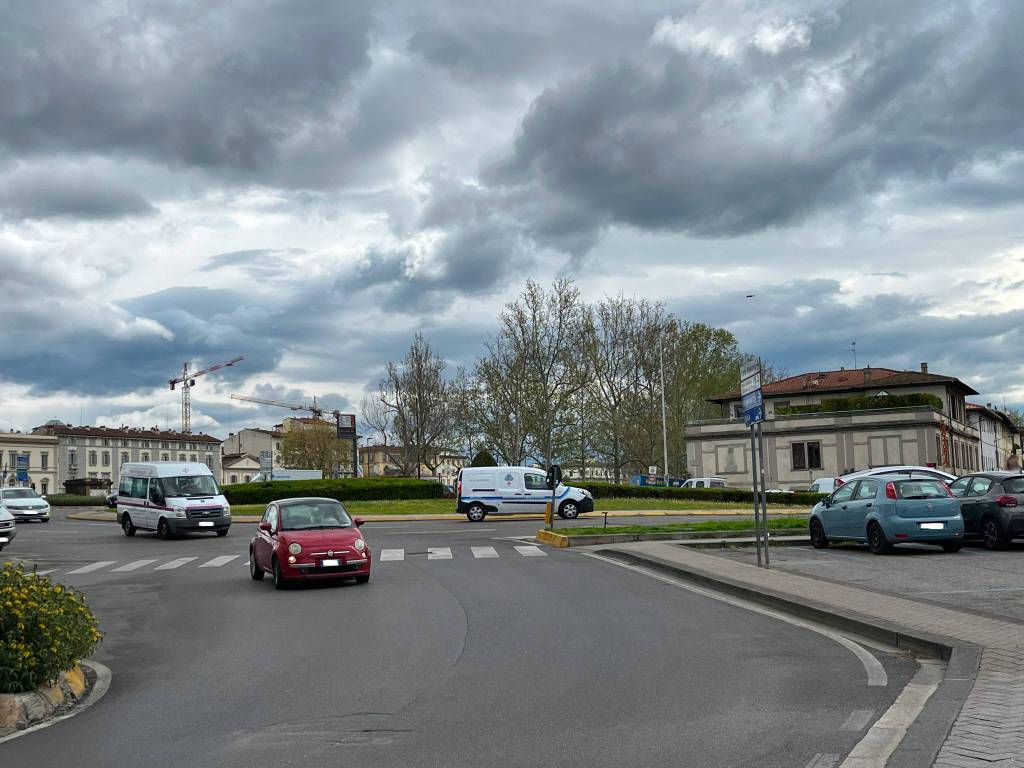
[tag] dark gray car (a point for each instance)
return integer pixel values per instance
(992, 504)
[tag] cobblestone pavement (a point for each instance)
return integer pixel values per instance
(989, 730)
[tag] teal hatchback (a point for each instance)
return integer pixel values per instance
(884, 511)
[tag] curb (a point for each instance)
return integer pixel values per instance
(926, 734)
(701, 539)
(101, 677)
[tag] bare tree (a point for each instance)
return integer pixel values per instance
(376, 417)
(416, 395)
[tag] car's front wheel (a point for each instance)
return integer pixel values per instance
(128, 526)
(163, 529)
(254, 569)
(569, 510)
(818, 537)
(476, 513)
(877, 542)
(279, 582)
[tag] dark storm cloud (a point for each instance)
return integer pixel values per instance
(68, 196)
(718, 147)
(808, 325)
(231, 87)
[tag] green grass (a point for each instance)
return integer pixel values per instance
(447, 506)
(745, 524)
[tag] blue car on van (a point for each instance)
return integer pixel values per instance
(887, 510)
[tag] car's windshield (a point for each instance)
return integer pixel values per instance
(921, 489)
(20, 493)
(189, 486)
(308, 515)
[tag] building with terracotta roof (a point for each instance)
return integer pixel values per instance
(871, 424)
(998, 437)
(99, 452)
(376, 460)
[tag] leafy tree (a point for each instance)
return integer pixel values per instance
(315, 447)
(483, 459)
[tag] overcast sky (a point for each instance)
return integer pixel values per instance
(309, 183)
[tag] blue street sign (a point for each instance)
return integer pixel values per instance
(752, 400)
(22, 469)
(754, 415)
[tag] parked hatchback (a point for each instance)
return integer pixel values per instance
(308, 539)
(992, 504)
(888, 510)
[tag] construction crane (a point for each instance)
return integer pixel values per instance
(187, 381)
(345, 423)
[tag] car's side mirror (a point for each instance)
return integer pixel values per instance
(359, 522)
(265, 526)
(826, 503)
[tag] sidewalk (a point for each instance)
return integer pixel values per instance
(989, 728)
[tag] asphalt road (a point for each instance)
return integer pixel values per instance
(973, 580)
(494, 657)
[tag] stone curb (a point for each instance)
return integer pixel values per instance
(74, 691)
(697, 538)
(925, 737)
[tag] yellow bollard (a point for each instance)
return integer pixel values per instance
(548, 521)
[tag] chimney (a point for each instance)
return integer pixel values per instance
(867, 375)
(924, 367)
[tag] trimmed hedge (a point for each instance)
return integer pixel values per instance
(738, 495)
(45, 629)
(344, 489)
(71, 500)
(863, 403)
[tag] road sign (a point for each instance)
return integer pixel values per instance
(266, 461)
(554, 476)
(754, 415)
(750, 384)
(22, 468)
(752, 400)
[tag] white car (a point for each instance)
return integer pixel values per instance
(25, 504)
(908, 470)
(704, 482)
(7, 532)
(482, 491)
(824, 485)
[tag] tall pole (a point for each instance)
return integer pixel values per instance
(753, 474)
(664, 423)
(186, 402)
(763, 494)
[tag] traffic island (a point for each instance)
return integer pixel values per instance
(714, 533)
(72, 692)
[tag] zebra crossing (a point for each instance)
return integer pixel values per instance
(392, 555)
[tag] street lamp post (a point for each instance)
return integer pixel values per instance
(664, 423)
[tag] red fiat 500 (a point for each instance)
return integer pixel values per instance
(302, 539)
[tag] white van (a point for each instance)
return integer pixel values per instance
(171, 497)
(704, 482)
(482, 491)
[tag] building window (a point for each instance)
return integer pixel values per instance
(92, 460)
(167, 457)
(209, 460)
(72, 459)
(145, 456)
(44, 460)
(44, 484)
(181, 457)
(124, 457)
(234, 478)
(806, 455)
(72, 440)
(193, 457)
(106, 441)
(737, 410)
(106, 458)
(248, 478)
(164, 444)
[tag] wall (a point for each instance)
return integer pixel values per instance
(40, 449)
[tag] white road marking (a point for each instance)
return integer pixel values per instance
(857, 721)
(873, 667)
(823, 761)
(175, 564)
(482, 553)
(217, 562)
(134, 565)
(878, 744)
(970, 591)
(391, 555)
(43, 573)
(439, 553)
(531, 551)
(92, 567)
(460, 530)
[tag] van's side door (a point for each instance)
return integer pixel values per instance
(156, 502)
(511, 491)
(140, 510)
(535, 492)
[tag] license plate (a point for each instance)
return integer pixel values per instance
(329, 563)
(206, 524)
(933, 526)
(4, 540)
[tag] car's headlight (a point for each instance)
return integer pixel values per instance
(227, 511)
(180, 512)
(360, 545)
(295, 548)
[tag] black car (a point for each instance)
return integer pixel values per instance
(992, 505)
